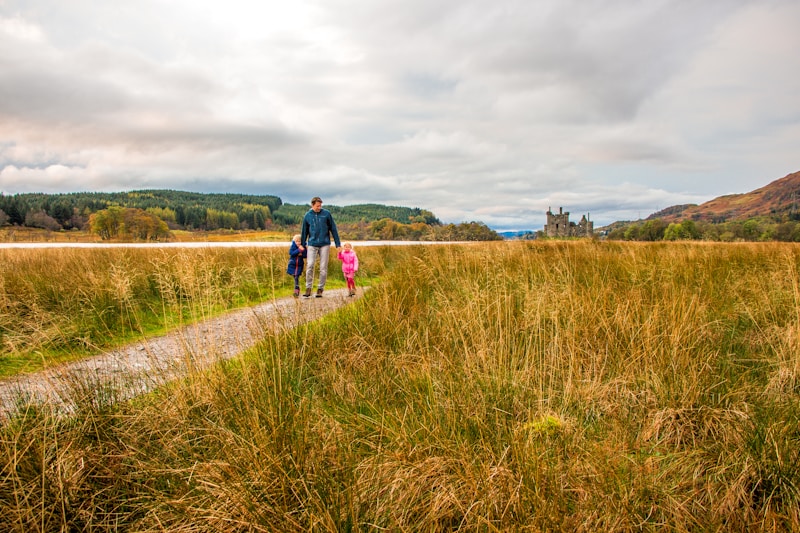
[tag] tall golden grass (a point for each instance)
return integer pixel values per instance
(576, 386)
(61, 304)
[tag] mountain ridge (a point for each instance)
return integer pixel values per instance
(778, 198)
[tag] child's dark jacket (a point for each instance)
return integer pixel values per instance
(296, 260)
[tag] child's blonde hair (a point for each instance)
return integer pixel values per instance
(346, 244)
(296, 238)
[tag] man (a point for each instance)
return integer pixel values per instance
(318, 228)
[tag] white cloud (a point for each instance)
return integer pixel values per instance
(17, 28)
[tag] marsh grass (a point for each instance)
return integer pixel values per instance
(575, 386)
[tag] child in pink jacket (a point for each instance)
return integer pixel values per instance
(349, 261)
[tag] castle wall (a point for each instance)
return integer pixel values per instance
(558, 225)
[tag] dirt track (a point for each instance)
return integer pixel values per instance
(142, 366)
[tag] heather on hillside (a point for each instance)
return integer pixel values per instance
(770, 213)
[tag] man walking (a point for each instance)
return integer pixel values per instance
(318, 228)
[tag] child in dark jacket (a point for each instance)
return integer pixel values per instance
(297, 254)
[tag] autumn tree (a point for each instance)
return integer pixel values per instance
(141, 225)
(216, 219)
(133, 223)
(40, 219)
(166, 214)
(686, 230)
(107, 223)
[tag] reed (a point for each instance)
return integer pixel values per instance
(574, 386)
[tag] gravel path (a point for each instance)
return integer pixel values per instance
(140, 367)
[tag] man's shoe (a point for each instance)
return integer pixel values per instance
(319, 293)
(307, 294)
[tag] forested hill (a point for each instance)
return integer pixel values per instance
(351, 214)
(187, 210)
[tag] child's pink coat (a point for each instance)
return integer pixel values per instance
(349, 261)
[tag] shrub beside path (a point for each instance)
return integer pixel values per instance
(139, 367)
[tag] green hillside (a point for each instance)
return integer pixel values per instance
(153, 214)
(187, 210)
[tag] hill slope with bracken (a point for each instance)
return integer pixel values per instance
(779, 198)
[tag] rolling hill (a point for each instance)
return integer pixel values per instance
(777, 199)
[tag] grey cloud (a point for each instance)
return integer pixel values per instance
(609, 55)
(95, 97)
(475, 109)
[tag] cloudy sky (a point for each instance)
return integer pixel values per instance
(489, 110)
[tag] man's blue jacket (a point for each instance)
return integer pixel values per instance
(318, 229)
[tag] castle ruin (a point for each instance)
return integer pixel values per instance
(558, 225)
